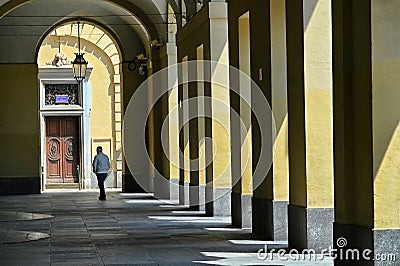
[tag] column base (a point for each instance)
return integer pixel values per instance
(218, 201)
(119, 178)
(202, 198)
(384, 245)
(270, 219)
(194, 197)
(197, 196)
(161, 188)
(129, 185)
(174, 189)
(280, 212)
(310, 228)
(387, 245)
(19, 185)
(241, 210)
(184, 193)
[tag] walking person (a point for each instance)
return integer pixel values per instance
(101, 165)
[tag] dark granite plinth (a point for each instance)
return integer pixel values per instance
(241, 210)
(19, 185)
(270, 219)
(358, 245)
(129, 185)
(218, 201)
(310, 228)
(161, 187)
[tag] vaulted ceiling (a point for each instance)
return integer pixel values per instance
(133, 24)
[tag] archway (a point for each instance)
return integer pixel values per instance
(97, 109)
(131, 26)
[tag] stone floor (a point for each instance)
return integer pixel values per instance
(74, 228)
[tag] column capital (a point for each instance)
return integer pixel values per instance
(217, 10)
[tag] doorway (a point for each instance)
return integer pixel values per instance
(62, 149)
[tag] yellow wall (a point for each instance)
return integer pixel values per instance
(102, 119)
(310, 103)
(19, 120)
(386, 113)
(279, 99)
(245, 104)
(318, 97)
(194, 35)
(260, 63)
(319, 147)
(208, 28)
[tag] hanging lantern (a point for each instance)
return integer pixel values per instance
(79, 65)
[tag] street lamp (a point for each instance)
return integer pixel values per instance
(79, 65)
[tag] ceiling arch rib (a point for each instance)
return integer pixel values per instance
(89, 33)
(93, 34)
(128, 21)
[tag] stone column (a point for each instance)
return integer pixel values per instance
(385, 128)
(193, 128)
(130, 81)
(218, 198)
(184, 176)
(201, 127)
(279, 108)
(160, 116)
(310, 213)
(367, 142)
(242, 188)
(173, 105)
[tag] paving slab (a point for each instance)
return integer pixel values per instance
(73, 228)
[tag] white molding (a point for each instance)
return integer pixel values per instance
(64, 75)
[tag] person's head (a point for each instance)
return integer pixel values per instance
(99, 149)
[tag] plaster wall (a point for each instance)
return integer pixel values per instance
(386, 113)
(318, 103)
(19, 121)
(102, 115)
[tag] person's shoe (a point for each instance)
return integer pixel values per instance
(102, 198)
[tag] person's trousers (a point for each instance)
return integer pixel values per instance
(100, 180)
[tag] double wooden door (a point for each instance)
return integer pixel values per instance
(62, 139)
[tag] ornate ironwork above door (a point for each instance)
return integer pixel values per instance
(61, 94)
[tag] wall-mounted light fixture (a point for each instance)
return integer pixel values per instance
(142, 69)
(141, 62)
(79, 65)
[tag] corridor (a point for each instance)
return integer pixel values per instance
(74, 228)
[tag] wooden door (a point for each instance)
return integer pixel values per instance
(62, 138)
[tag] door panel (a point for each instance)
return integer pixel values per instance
(70, 159)
(62, 149)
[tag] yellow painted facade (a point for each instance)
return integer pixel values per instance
(105, 107)
(281, 166)
(386, 114)
(279, 100)
(328, 68)
(318, 103)
(20, 136)
(319, 150)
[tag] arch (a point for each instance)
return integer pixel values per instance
(104, 28)
(9, 6)
(143, 18)
(174, 6)
(104, 55)
(136, 11)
